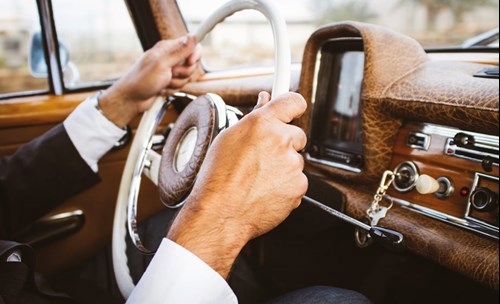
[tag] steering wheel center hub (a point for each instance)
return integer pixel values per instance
(185, 149)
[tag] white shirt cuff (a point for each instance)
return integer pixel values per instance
(92, 134)
(176, 275)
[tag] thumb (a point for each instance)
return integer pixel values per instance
(264, 98)
(175, 52)
(287, 107)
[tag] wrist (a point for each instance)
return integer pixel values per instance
(209, 236)
(116, 108)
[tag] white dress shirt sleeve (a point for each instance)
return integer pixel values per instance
(91, 132)
(176, 275)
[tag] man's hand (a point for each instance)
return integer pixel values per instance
(166, 67)
(249, 183)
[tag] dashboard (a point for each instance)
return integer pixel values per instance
(378, 103)
(448, 174)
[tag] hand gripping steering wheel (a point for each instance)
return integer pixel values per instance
(175, 170)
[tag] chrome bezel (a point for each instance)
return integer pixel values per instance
(468, 209)
(416, 175)
(449, 186)
(427, 141)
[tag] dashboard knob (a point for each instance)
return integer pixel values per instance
(484, 200)
(427, 184)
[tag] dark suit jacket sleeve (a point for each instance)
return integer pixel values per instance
(39, 176)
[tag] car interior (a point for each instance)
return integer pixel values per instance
(402, 162)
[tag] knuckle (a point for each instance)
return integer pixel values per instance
(303, 185)
(301, 161)
(300, 136)
(299, 101)
(149, 56)
(162, 45)
(257, 119)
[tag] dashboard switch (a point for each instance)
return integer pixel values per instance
(441, 187)
(418, 141)
(427, 184)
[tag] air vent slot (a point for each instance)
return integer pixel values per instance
(473, 148)
(418, 141)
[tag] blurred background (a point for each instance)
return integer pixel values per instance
(102, 42)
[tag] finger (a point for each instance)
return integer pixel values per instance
(178, 83)
(298, 138)
(304, 185)
(287, 107)
(264, 98)
(196, 56)
(175, 52)
(183, 71)
(168, 92)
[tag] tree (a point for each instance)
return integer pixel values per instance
(340, 10)
(459, 8)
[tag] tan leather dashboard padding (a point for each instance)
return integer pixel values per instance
(383, 65)
(173, 185)
(446, 93)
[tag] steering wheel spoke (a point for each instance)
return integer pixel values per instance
(152, 166)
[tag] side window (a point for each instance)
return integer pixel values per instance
(100, 39)
(19, 22)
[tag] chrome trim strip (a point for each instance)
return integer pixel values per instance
(61, 216)
(489, 140)
(473, 226)
(331, 164)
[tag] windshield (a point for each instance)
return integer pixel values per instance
(434, 23)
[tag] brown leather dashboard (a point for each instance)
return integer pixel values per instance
(402, 85)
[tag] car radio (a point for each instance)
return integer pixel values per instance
(335, 137)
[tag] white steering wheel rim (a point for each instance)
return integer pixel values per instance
(142, 138)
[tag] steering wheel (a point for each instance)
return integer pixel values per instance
(174, 172)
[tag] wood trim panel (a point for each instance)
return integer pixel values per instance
(28, 111)
(436, 164)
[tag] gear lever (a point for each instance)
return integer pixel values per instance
(389, 238)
